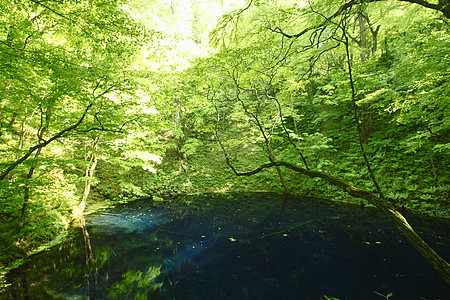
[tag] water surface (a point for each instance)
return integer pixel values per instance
(235, 247)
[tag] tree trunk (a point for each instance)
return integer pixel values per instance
(374, 39)
(445, 4)
(89, 175)
(280, 174)
(87, 182)
(362, 35)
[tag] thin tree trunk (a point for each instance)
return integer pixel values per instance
(362, 36)
(89, 175)
(280, 174)
(87, 182)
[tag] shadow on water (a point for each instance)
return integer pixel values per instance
(235, 247)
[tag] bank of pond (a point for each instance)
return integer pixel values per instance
(235, 246)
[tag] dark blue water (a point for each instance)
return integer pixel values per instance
(235, 247)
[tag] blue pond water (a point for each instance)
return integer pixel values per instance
(235, 247)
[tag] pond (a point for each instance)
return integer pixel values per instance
(235, 247)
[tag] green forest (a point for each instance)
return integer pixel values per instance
(107, 101)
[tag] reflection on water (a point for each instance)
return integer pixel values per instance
(234, 247)
(127, 222)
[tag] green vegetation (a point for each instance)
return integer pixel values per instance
(106, 101)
